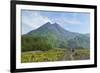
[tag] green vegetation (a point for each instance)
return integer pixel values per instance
(53, 43)
(54, 55)
(37, 43)
(81, 54)
(51, 55)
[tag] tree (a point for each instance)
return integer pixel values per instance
(30, 43)
(72, 44)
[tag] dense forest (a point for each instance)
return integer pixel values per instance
(37, 43)
(30, 43)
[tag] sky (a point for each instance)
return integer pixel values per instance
(73, 21)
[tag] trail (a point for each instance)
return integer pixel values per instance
(70, 56)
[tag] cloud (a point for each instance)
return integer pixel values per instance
(71, 21)
(66, 21)
(33, 19)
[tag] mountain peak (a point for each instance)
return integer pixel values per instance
(48, 23)
(52, 24)
(56, 24)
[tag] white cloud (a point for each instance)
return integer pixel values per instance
(66, 21)
(72, 21)
(34, 19)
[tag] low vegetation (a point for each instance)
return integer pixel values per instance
(40, 56)
(54, 55)
(81, 54)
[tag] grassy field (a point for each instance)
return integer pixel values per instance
(54, 55)
(82, 54)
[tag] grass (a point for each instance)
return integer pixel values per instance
(51, 55)
(54, 55)
(82, 54)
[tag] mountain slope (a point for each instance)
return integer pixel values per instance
(55, 29)
(60, 35)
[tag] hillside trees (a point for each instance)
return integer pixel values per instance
(37, 43)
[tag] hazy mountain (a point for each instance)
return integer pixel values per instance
(60, 35)
(55, 29)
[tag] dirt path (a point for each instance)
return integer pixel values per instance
(70, 56)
